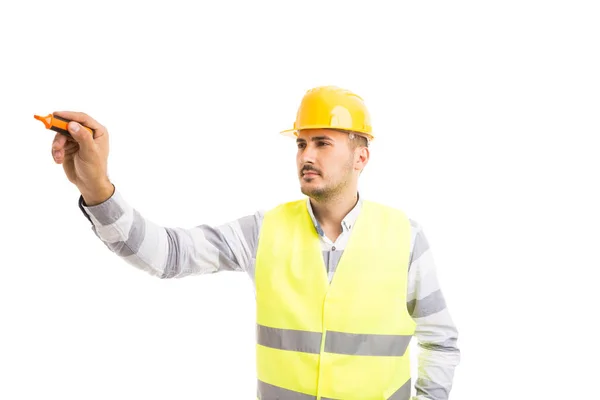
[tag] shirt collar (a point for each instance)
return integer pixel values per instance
(347, 222)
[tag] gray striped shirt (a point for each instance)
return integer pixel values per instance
(178, 252)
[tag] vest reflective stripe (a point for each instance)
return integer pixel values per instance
(287, 339)
(403, 393)
(270, 392)
(366, 344)
(348, 339)
(336, 342)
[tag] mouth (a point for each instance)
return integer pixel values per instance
(309, 174)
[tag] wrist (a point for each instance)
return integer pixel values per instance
(97, 195)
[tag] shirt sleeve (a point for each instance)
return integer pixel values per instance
(435, 331)
(171, 252)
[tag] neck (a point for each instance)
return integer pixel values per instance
(330, 212)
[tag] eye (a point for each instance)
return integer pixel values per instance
(323, 144)
(301, 145)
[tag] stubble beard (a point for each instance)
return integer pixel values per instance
(329, 190)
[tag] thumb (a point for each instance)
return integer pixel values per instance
(82, 136)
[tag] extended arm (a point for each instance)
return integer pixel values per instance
(166, 252)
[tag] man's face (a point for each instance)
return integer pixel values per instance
(325, 162)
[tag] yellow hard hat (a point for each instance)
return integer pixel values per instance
(334, 108)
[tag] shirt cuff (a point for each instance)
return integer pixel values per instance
(105, 213)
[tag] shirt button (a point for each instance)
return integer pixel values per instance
(333, 248)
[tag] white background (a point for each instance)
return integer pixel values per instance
(487, 117)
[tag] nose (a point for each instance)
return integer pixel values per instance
(307, 154)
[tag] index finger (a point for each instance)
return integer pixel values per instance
(80, 117)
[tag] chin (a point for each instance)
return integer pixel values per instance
(311, 191)
(306, 189)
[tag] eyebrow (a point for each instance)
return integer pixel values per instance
(315, 138)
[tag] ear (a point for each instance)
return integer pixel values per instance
(361, 157)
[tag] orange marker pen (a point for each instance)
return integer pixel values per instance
(58, 124)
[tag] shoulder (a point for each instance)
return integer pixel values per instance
(297, 203)
(248, 226)
(415, 227)
(288, 209)
(386, 208)
(247, 229)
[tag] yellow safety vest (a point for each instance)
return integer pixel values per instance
(345, 340)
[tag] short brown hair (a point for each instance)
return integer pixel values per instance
(355, 139)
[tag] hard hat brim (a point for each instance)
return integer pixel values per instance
(290, 133)
(293, 133)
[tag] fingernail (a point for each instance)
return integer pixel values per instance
(74, 127)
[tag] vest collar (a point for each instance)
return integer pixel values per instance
(347, 222)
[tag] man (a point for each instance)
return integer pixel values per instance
(342, 283)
